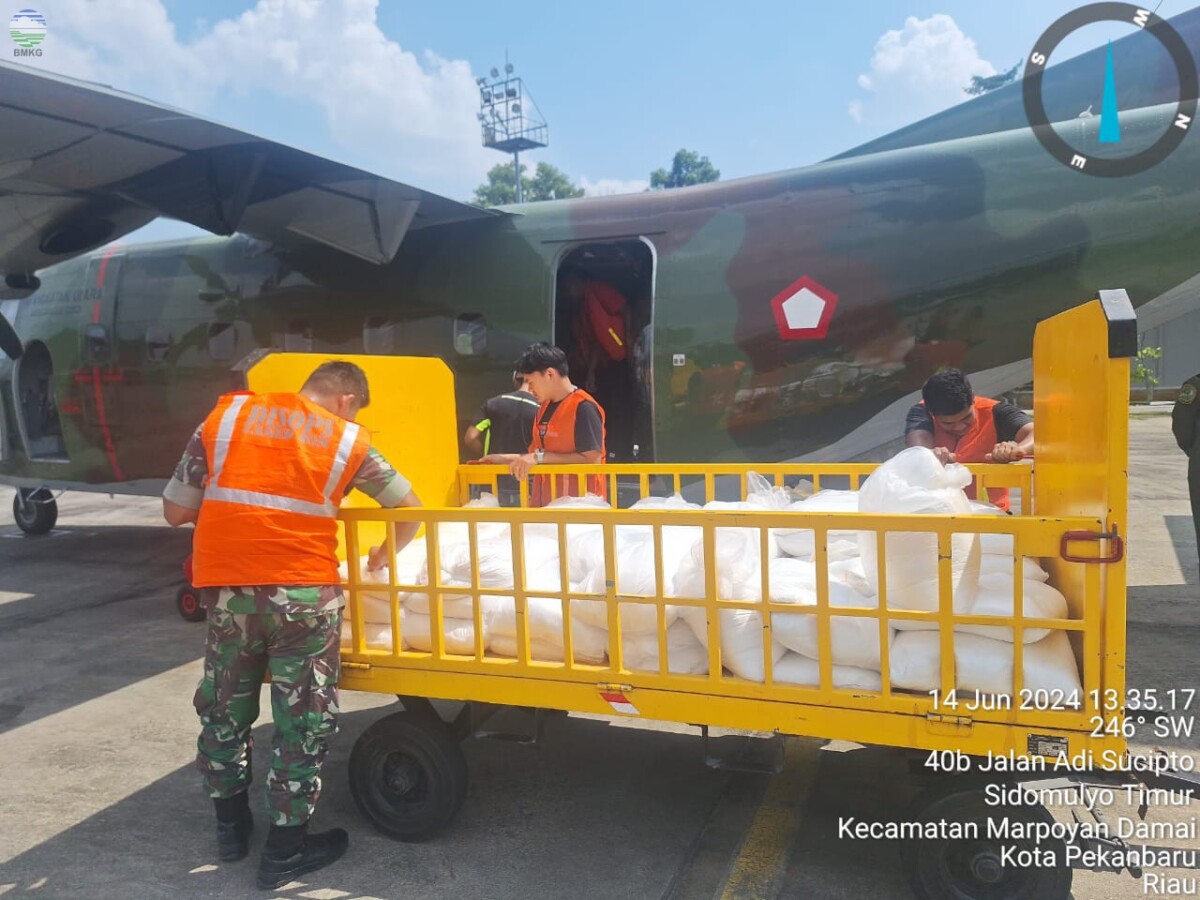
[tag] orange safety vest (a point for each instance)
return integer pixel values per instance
(278, 467)
(558, 436)
(973, 446)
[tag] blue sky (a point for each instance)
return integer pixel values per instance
(389, 85)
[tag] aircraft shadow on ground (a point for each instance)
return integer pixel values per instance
(122, 620)
(548, 820)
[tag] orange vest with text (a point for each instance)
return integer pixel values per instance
(973, 446)
(278, 467)
(558, 436)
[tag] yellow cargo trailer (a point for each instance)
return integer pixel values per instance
(408, 773)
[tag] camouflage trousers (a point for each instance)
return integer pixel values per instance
(301, 653)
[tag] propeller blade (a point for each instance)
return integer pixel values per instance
(10, 342)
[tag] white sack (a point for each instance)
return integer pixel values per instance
(801, 542)
(685, 654)
(983, 664)
(635, 577)
(995, 598)
(854, 641)
(995, 564)
(545, 627)
(914, 482)
(417, 632)
(738, 578)
(796, 669)
(741, 640)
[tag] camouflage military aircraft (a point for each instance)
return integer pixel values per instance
(783, 316)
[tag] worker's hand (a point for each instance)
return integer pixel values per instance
(519, 467)
(1005, 452)
(944, 456)
(377, 558)
(498, 459)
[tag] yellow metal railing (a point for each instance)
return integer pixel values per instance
(626, 481)
(1033, 537)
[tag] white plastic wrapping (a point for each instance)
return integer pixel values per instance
(793, 668)
(983, 664)
(854, 640)
(914, 482)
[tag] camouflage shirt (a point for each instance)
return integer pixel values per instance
(375, 477)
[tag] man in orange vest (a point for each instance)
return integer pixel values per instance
(960, 427)
(568, 429)
(262, 478)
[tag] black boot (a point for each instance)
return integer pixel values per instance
(234, 824)
(291, 851)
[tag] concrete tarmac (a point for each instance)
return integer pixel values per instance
(97, 736)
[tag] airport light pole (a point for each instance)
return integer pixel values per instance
(509, 119)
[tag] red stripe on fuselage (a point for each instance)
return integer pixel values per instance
(101, 413)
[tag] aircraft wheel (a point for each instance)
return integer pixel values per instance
(187, 601)
(941, 868)
(35, 510)
(408, 776)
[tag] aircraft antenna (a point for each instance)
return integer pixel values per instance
(508, 117)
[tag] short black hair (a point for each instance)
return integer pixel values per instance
(947, 393)
(518, 379)
(542, 356)
(339, 377)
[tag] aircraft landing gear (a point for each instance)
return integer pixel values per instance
(35, 510)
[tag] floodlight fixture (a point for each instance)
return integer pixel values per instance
(495, 72)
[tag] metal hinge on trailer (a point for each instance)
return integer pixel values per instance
(1116, 546)
(940, 719)
(358, 666)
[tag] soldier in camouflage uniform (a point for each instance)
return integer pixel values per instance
(1185, 423)
(293, 632)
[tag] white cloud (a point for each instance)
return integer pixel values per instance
(917, 71)
(607, 186)
(384, 108)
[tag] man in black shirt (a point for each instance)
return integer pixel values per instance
(568, 430)
(504, 425)
(960, 427)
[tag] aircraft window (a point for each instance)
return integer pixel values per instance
(299, 338)
(158, 342)
(95, 344)
(470, 335)
(222, 340)
(379, 336)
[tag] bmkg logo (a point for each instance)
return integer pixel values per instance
(27, 29)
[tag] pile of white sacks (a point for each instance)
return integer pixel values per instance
(913, 482)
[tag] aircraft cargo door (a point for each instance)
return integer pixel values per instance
(604, 320)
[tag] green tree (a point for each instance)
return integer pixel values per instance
(1144, 372)
(548, 183)
(980, 85)
(688, 168)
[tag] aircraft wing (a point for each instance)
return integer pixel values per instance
(82, 164)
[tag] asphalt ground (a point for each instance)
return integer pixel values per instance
(97, 736)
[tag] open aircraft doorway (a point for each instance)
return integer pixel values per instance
(603, 319)
(37, 409)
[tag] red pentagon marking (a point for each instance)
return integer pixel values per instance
(803, 310)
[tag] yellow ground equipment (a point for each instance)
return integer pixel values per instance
(408, 773)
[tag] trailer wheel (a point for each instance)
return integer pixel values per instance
(187, 601)
(35, 510)
(941, 868)
(408, 776)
